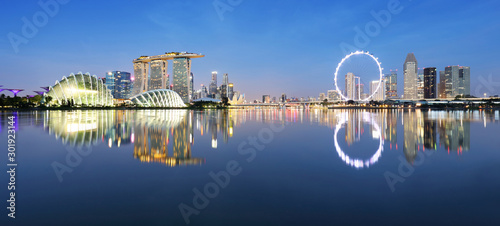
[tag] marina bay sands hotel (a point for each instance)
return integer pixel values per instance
(150, 73)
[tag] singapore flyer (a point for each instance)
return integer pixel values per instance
(359, 67)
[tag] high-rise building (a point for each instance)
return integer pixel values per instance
(283, 98)
(266, 99)
(191, 88)
(150, 72)
(464, 81)
(204, 92)
(110, 82)
(430, 78)
(391, 85)
(141, 77)
(350, 86)
(442, 85)
(457, 81)
(213, 85)
(158, 78)
(420, 84)
(360, 91)
(230, 91)
(223, 90)
(182, 81)
(379, 94)
(410, 76)
(225, 79)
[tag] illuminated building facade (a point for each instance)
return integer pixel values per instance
(158, 98)
(182, 81)
(430, 78)
(391, 85)
(410, 77)
(119, 83)
(80, 90)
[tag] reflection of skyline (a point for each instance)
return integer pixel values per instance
(168, 135)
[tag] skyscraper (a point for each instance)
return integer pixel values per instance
(430, 82)
(350, 86)
(379, 94)
(213, 85)
(391, 85)
(464, 81)
(158, 78)
(182, 81)
(141, 74)
(457, 81)
(442, 85)
(283, 98)
(410, 76)
(266, 99)
(230, 91)
(420, 84)
(225, 79)
(191, 88)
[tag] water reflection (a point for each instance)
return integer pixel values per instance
(167, 136)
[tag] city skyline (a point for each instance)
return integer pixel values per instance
(95, 49)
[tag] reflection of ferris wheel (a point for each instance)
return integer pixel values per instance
(347, 57)
(359, 163)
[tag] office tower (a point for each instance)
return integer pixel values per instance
(464, 78)
(213, 85)
(158, 78)
(442, 85)
(391, 85)
(266, 99)
(410, 76)
(283, 98)
(333, 95)
(420, 84)
(110, 83)
(123, 85)
(273, 100)
(430, 82)
(223, 90)
(191, 82)
(378, 95)
(204, 92)
(230, 91)
(457, 81)
(141, 73)
(360, 91)
(225, 79)
(350, 86)
(182, 71)
(451, 77)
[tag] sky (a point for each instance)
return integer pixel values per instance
(266, 47)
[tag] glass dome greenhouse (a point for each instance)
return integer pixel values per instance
(80, 90)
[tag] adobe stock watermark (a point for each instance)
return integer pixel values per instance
(405, 169)
(223, 6)
(487, 86)
(73, 159)
(31, 26)
(221, 179)
(372, 29)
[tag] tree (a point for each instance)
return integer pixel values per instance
(48, 99)
(225, 101)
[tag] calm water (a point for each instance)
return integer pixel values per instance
(255, 167)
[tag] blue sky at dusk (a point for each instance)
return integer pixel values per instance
(267, 47)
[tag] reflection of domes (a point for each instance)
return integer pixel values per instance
(158, 98)
(80, 89)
